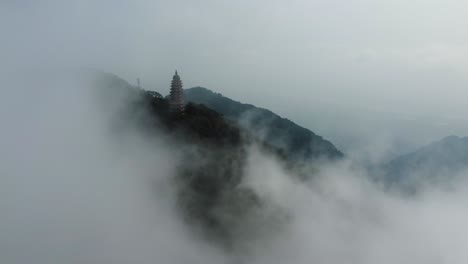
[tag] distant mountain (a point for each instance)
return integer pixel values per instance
(438, 161)
(295, 141)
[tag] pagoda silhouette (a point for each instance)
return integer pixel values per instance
(176, 97)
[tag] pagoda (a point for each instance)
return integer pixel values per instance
(176, 97)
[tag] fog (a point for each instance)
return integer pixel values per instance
(72, 192)
(377, 77)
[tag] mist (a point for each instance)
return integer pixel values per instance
(74, 192)
(377, 78)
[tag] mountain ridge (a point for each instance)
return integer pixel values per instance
(214, 154)
(283, 133)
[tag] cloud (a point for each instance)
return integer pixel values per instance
(73, 192)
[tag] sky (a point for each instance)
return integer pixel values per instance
(378, 65)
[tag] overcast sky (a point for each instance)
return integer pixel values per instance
(375, 77)
(400, 57)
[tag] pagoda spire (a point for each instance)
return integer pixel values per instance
(176, 97)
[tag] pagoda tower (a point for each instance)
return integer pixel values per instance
(176, 97)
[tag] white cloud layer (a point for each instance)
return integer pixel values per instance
(71, 193)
